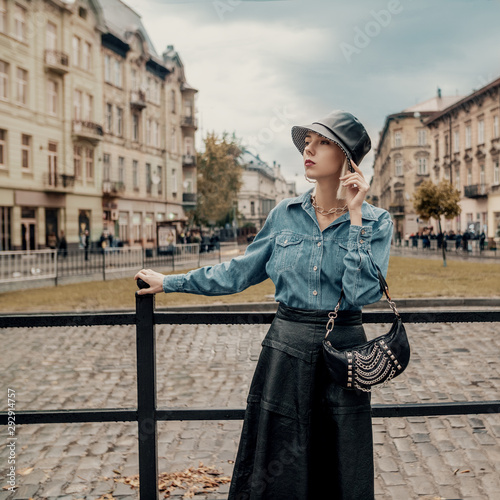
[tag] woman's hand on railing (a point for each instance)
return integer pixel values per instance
(152, 278)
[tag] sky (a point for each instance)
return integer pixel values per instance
(262, 66)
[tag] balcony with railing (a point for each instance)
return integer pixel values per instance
(87, 130)
(397, 209)
(56, 61)
(476, 191)
(138, 99)
(189, 200)
(113, 188)
(189, 160)
(189, 122)
(61, 183)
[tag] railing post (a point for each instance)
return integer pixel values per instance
(103, 264)
(146, 395)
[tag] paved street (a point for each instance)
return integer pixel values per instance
(211, 366)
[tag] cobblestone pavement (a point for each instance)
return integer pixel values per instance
(455, 457)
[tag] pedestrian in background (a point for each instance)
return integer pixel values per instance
(304, 437)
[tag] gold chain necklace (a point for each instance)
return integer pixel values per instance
(323, 211)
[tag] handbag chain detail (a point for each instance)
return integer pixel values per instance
(374, 363)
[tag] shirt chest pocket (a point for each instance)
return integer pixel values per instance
(287, 251)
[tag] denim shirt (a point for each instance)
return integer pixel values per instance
(307, 266)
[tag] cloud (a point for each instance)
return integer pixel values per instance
(266, 58)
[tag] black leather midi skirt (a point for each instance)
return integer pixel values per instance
(303, 437)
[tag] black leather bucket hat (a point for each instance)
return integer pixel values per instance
(340, 127)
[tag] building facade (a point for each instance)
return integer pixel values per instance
(403, 160)
(85, 127)
(263, 187)
(466, 151)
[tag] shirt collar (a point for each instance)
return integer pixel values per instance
(367, 211)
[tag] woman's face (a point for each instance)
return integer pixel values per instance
(322, 157)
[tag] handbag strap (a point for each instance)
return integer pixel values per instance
(384, 288)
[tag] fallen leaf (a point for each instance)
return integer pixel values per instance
(25, 471)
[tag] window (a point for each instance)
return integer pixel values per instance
(422, 166)
(172, 101)
(52, 157)
(495, 126)
(87, 107)
(123, 226)
(52, 97)
(135, 127)
(436, 147)
(20, 23)
(89, 163)
(156, 134)
(22, 86)
(4, 80)
(5, 227)
(468, 137)
(397, 139)
(135, 175)
(456, 141)
(252, 208)
(107, 68)
(457, 179)
(174, 180)
(26, 151)
(159, 174)
(77, 161)
(3, 148)
(106, 160)
(87, 56)
(148, 226)
(136, 226)
(121, 170)
(109, 117)
(77, 105)
(446, 145)
(149, 181)
(149, 88)
(119, 122)
(399, 167)
(482, 176)
(422, 137)
(76, 51)
(118, 73)
(82, 12)
(134, 81)
(480, 132)
(51, 36)
(469, 176)
(496, 173)
(148, 131)
(3, 16)
(173, 141)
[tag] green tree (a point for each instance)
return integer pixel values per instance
(219, 179)
(434, 201)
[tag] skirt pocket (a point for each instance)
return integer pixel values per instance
(282, 382)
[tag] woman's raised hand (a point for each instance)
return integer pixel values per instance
(152, 278)
(356, 187)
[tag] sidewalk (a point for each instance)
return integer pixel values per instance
(211, 366)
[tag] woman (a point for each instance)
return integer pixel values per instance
(303, 437)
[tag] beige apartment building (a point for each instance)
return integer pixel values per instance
(50, 103)
(85, 132)
(403, 160)
(263, 187)
(466, 151)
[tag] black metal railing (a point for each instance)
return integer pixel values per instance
(147, 414)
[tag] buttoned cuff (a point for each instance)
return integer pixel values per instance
(173, 283)
(360, 237)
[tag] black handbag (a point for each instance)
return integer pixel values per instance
(374, 363)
